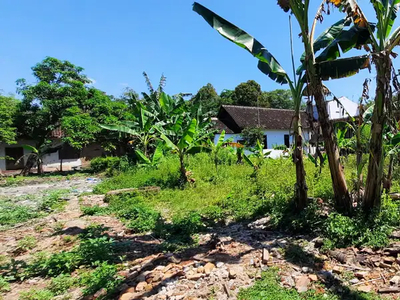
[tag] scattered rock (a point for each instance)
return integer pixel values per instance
(200, 269)
(141, 286)
(395, 280)
(127, 296)
(313, 277)
(100, 293)
(174, 259)
(260, 223)
(389, 260)
(337, 270)
(208, 268)
(195, 276)
(302, 283)
(232, 274)
(364, 288)
(360, 274)
(265, 256)
(305, 269)
(288, 281)
(384, 265)
(354, 281)
(219, 264)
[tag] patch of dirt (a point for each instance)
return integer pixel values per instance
(224, 261)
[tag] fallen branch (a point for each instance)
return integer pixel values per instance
(354, 267)
(389, 290)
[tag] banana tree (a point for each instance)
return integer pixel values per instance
(270, 66)
(154, 160)
(216, 148)
(190, 139)
(324, 67)
(143, 129)
(382, 44)
(35, 157)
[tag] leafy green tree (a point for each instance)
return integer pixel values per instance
(8, 109)
(278, 99)
(251, 135)
(216, 148)
(62, 98)
(226, 96)
(154, 160)
(208, 98)
(247, 93)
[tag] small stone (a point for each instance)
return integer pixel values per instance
(364, 288)
(288, 281)
(208, 268)
(313, 277)
(395, 280)
(232, 274)
(194, 277)
(141, 286)
(200, 269)
(127, 296)
(219, 264)
(302, 283)
(305, 269)
(174, 259)
(143, 276)
(265, 256)
(389, 260)
(354, 281)
(360, 274)
(384, 265)
(337, 270)
(100, 293)
(148, 287)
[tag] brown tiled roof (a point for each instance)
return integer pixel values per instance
(270, 118)
(219, 125)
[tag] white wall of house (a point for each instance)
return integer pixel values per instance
(274, 138)
(51, 162)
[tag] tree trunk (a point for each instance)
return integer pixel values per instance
(184, 178)
(39, 167)
(373, 187)
(388, 180)
(301, 185)
(341, 193)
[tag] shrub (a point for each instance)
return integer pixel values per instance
(95, 250)
(95, 210)
(35, 294)
(62, 283)
(109, 164)
(4, 285)
(104, 276)
(27, 243)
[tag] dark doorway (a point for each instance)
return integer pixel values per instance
(265, 142)
(287, 143)
(12, 155)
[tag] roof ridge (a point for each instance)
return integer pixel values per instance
(254, 107)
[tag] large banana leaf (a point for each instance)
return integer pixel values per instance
(344, 67)
(120, 128)
(355, 37)
(30, 148)
(386, 13)
(187, 137)
(140, 155)
(268, 64)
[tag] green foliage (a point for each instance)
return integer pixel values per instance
(108, 164)
(11, 213)
(8, 109)
(281, 99)
(94, 210)
(251, 135)
(4, 285)
(53, 201)
(269, 288)
(27, 243)
(62, 283)
(104, 276)
(361, 230)
(208, 98)
(35, 294)
(247, 93)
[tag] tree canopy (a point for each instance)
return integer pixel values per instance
(8, 108)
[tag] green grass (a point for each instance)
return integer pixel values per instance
(269, 288)
(21, 209)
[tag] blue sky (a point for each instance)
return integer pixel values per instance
(115, 41)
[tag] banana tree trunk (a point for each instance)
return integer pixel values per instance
(182, 169)
(341, 193)
(373, 188)
(388, 181)
(301, 185)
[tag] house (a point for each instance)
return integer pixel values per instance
(276, 123)
(339, 109)
(64, 159)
